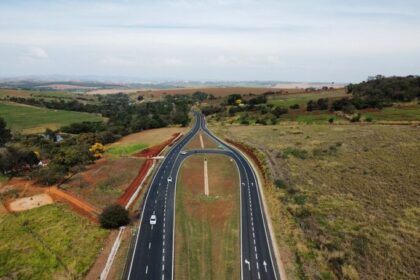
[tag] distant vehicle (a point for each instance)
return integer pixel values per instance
(153, 220)
(169, 179)
(183, 153)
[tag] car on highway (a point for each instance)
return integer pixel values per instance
(153, 220)
(169, 179)
(183, 153)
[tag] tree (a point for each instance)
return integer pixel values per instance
(50, 175)
(278, 111)
(5, 134)
(114, 216)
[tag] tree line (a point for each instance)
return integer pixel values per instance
(20, 154)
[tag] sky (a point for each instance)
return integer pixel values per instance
(211, 40)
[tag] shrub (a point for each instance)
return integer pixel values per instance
(279, 183)
(300, 199)
(114, 216)
(297, 153)
(355, 118)
(369, 119)
(294, 106)
(331, 120)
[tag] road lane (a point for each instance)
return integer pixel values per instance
(153, 256)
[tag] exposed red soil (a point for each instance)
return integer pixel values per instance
(149, 152)
(123, 200)
(249, 151)
(29, 188)
(76, 203)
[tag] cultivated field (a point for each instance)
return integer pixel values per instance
(47, 95)
(159, 93)
(207, 227)
(50, 242)
(29, 119)
(286, 100)
(347, 205)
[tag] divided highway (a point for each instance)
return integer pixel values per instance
(153, 256)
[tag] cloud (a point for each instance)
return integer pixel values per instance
(231, 39)
(35, 53)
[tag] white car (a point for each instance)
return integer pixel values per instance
(153, 220)
(183, 153)
(169, 179)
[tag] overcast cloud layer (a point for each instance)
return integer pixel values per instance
(306, 40)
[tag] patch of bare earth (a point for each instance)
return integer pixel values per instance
(30, 202)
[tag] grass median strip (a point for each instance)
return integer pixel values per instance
(207, 227)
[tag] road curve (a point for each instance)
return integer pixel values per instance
(153, 256)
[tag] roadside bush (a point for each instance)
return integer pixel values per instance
(294, 106)
(114, 216)
(279, 183)
(355, 118)
(331, 120)
(300, 199)
(296, 152)
(369, 119)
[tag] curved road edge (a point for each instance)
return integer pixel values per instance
(273, 242)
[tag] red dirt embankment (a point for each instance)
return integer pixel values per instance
(149, 152)
(78, 204)
(251, 153)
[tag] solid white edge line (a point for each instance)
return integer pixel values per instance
(280, 267)
(279, 264)
(145, 202)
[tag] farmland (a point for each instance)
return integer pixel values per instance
(346, 194)
(207, 227)
(29, 119)
(50, 242)
(287, 100)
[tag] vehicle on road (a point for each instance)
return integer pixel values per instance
(169, 179)
(183, 153)
(153, 220)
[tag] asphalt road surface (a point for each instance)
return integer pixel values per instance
(153, 256)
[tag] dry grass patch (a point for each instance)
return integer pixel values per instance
(105, 181)
(149, 137)
(196, 144)
(349, 207)
(207, 227)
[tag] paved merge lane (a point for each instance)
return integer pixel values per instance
(153, 254)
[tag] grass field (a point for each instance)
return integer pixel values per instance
(125, 150)
(29, 119)
(47, 95)
(196, 144)
(395, 114)
(348, 207)
(50, 242)
(105, 181)
(312, 117)
(302, 98)
(207, 227)
(148, 137)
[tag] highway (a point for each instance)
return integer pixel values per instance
(153, 256)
